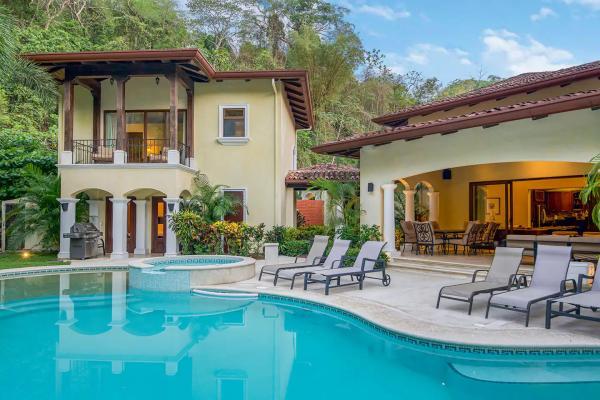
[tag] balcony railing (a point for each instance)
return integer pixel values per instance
(101, 151)
(92, 151)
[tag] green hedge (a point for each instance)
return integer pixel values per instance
(297, 241)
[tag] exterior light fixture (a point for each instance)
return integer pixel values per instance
(171, 207)
(370, 187)
(64, 206)
(157, 80)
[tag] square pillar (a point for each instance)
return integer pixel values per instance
(172, 112)
(119, 228)
(171, 248)
(140, 227)
(67, 219)
(120, 109)
(68, 100)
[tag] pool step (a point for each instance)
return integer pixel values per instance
(230, 294)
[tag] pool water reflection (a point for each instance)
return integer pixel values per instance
(85, 336)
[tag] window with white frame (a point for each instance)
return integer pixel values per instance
(233, 124)
(238, 196)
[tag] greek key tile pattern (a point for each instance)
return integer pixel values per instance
(438, 345)
(66, 269)
(201, 260)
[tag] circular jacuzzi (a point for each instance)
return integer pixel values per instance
(182, 273)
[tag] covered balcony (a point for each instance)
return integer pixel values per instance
(127, 107)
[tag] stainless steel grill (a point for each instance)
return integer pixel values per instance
(84, 240)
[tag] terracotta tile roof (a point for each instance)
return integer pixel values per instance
(334, 172)
(528, 109)
(517, 84)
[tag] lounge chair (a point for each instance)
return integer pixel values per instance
(337, 252)
(314, 257)
(588, 299)
(502, 275)
(548, 281)
(523, 241)
(366, 262)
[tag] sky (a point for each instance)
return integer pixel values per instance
(471, 39)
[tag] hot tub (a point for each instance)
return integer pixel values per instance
(182, 273)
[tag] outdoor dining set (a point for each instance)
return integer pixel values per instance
(425, 237)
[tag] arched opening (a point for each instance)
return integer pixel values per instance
(185, 195)
(536, 197)
(423, 200)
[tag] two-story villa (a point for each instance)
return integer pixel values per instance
(136, 126)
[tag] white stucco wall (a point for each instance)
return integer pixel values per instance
(258, 166)
(572, 136)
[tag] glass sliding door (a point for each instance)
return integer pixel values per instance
(492, 202)
(157, 142)
(134, 128)
(147, 133)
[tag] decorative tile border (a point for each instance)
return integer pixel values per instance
(436, 345)
(59, 270)
(198, 260)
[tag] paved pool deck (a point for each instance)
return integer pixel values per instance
(408, 306)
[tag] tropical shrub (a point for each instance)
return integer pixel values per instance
(343, 204)
(295, 241)
(196, 236)
(591, 191)
(209, 201)
(187, 226)
(38, 212)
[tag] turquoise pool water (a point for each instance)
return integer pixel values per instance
(85, 336)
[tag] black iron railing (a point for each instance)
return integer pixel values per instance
(147, 150)
(101, 151)
(184, 154)
(93, 151)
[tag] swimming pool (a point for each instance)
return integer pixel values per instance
(87, 336)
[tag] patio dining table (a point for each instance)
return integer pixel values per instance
(446, 235)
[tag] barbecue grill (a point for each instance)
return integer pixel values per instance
(84, 240)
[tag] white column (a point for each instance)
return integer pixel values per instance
(140, 227)
(434, 206)
(119, 228)
(389, 224)
(119, 298)
(67, 219)
(409, 205)
(94, 212)
(65, 304)
(171, 240)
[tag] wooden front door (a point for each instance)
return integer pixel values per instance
(159, 225)
(131, 210)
